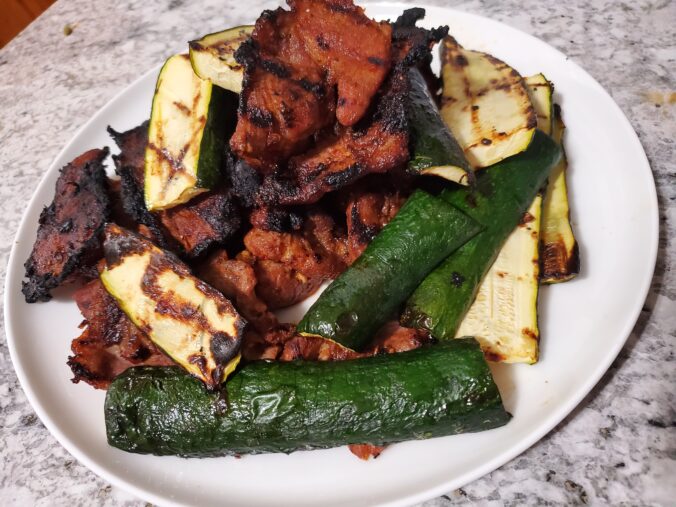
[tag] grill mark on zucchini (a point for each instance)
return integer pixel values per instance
(192, 322)
(467, 83)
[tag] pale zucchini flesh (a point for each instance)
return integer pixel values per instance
(541, 91)
(185, 136)
(559, 251)
(485, 104)
(503, 317)
(189, 320)
(212, 57)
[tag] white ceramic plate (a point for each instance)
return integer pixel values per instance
(584, 323)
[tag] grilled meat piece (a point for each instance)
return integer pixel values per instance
(287, 268)
(290, 266)
(189, 229)
(393, 338)
(236, 280)
(295, 63)
(68, 239)
(315, 348)
(366, 451)
(268, 344)
(282, 343)
(350, 48)
(205, 221)
(377, 145)
(111, 343)
(367, 213)
(244, 180)
(411, 44)
(277, 219)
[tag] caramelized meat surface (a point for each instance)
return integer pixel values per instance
(188, 229)
(236, 280)
(377, 145)
(290, 266)
(286, 267)
(111, 343)
(68, 238)
(367, 213)
(293, 63)
(352, 50)
(206, 220)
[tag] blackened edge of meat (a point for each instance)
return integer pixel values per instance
(404, 29)
(277, 219)
(409, 17)
(134, 205)
(390, 107)
(39, 285)
(131, 192)
(224, 218)
(244, 180)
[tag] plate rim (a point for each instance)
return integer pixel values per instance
(426, 493)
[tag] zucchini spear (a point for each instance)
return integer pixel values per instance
(190, 124)
(485, 104)
(357, 303)
(498, 201)
(560, 258)
(212, 57)
(434, 151)
(433, 391)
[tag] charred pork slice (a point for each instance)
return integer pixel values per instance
(68, 236)
(378, 145)
(111, 343)
(303, 67)
(205, 221)
(188, 229)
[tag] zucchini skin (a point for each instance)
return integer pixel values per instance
(498, 200)
(438, 390)
(432, 144)
(357, 303)
(220, 125)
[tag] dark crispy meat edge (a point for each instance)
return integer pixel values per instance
(38, 286)
(131, 194)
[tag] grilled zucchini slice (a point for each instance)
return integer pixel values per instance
(485, 104)
(212, 57)
(192, 322)
(503, 317)
(559, 250)
(541, 92)
(187, 135)
(273, 406)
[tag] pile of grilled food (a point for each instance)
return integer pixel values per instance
(316, 147)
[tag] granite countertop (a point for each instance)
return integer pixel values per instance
(618, 446)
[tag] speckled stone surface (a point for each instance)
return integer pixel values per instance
(617, 447)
